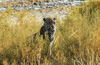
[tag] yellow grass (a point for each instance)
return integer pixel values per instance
(77, 39)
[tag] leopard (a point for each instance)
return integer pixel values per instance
(47, 29)
(48, 26)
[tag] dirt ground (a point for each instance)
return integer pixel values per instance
(59, 13)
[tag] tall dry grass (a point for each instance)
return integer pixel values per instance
(77, 39)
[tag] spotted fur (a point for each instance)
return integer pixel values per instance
(50, 27)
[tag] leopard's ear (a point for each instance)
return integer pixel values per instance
(44, 19)
(54, 19)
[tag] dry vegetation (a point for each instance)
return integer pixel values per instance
(77, 39)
